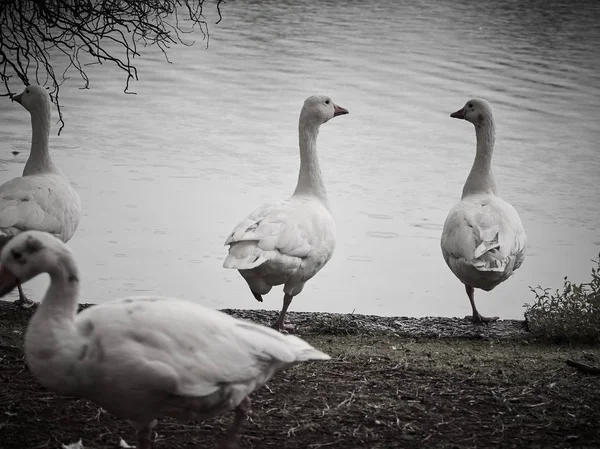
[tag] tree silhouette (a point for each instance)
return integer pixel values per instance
(44, 40)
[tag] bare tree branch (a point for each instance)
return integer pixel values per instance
(40, 38)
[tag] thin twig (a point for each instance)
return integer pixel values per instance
(588, 369)
(43, 41)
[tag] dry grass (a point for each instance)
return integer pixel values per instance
(379, 391)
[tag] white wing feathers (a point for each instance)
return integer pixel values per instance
(272, 230)
(489, 240)
(248, 225)
(275, 345)
(186, 349)
(487, 234)
(34, 202)
(246, 255)
(21, 211)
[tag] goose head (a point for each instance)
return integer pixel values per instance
(476, 111)
(34, 98)
(29, 254)
(319, 109)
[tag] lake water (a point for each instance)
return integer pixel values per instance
(165, 175)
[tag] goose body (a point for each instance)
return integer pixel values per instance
(146, 357)
(42, 199)
(288, 242)
(45, 202)
(483, 240)
(282, 243)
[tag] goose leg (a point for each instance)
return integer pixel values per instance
(278, 324)
(23, 300)
(144, 434)
(477, 318)
(241, 412)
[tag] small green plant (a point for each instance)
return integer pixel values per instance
(572, 315)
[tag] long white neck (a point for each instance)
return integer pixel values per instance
(39, 158)
(53, 322)
(310, 179)
(481, 179)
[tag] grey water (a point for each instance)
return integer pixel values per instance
(165, 175)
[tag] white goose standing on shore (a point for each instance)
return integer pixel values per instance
(142, 358)
(288, 242)
(483, 241)
(42, 199)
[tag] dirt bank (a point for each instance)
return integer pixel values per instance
(392, 383)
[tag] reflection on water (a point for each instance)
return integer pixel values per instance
(164, 175)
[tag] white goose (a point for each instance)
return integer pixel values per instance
(41, 199)
(142, 358)
(483, 241)
(289, 241)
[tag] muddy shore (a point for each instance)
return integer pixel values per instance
(392, 383)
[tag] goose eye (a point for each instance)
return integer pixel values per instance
(26, 91)
(470, 105)
(326, 101)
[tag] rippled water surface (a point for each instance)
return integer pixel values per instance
(164, 175)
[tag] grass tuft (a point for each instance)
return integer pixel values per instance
(568, 316)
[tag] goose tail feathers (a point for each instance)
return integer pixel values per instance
(487, 256)
(303, 351)
(244, 255)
